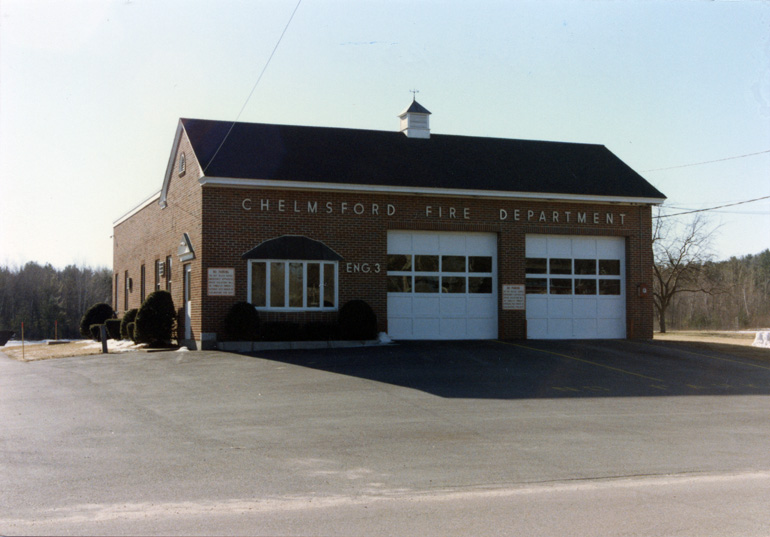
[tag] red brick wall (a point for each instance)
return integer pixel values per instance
(153, 233)
(229, 231)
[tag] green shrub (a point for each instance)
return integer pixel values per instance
(280, 331)
(113, 328)
(131, 331)
(242, 322)
(156, 319)
(95, 331)
(129, 317)
(357, 321)
(96, 314)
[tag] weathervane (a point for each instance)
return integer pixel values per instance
(414, 93)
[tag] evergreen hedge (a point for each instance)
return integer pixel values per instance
(156, 319)
(128, 318)
(113, 328)
(242, 322)
(96, 314)
(357, 320)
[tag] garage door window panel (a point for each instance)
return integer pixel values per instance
(560, 266)
(561, 286)
(426, 284)
(452, 263)
(452, 284)
(585, 286)
(537, 265)
(585, 266)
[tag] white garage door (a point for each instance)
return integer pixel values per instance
(575, 287)
(442, 285)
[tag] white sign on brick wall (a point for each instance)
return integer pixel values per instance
(514, 297)
(221, 282)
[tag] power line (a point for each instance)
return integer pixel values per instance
(712, 208)
(280, 38)
(707, 162)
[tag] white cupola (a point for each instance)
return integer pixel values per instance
(414, 121)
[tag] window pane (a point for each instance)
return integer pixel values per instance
(479, 264)
(585, 286)
(609, 287)
(537, 286)
(329, 292)
(536, 265)
(585, 266)
(561, 266)
(313, 285)
(453, 263)
(609, 267)
(561, 286)
(426, 263)
(479, 285)
(277, 285)
(258, 284)
(296, 287)
(399, 262)
(452, 284)
(399, 284)
(426, 284)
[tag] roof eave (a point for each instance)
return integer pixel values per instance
(425, 191)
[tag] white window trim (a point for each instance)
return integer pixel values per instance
(304, 307)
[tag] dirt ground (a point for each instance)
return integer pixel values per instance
(738, 343)
(45, 351)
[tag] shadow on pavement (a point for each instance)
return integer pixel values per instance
(545, 369)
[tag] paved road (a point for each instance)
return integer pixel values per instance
(487, 438)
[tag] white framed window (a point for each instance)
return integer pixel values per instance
(293, 285)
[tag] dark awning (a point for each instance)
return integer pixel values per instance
(293, 247)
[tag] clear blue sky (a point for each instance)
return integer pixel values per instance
(91, 92)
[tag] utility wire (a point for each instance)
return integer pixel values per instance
(712, 208)
(707, 162)
(254, 87)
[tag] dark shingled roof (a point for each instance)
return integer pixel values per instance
(383, 158)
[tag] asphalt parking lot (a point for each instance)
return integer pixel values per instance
(582, 438)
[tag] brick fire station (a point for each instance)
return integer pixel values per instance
(445, 237)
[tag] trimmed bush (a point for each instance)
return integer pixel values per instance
(280, 331)
(156, 319)
(129, 317)
(357, 320)
(242, 322)
(320, 331)
(113, 328)
(96, 314)
(95, 330)
(131, 331)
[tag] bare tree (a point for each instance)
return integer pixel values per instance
(681, 252)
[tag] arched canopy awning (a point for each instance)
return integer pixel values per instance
(293, 247)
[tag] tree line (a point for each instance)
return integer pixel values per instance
(42, 296)
(723, 295)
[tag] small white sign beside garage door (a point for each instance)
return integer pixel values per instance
(575, 287)
(442, 285)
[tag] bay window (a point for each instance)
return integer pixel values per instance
(293, 284)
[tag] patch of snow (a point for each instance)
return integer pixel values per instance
(384, 338)
(762, 339)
